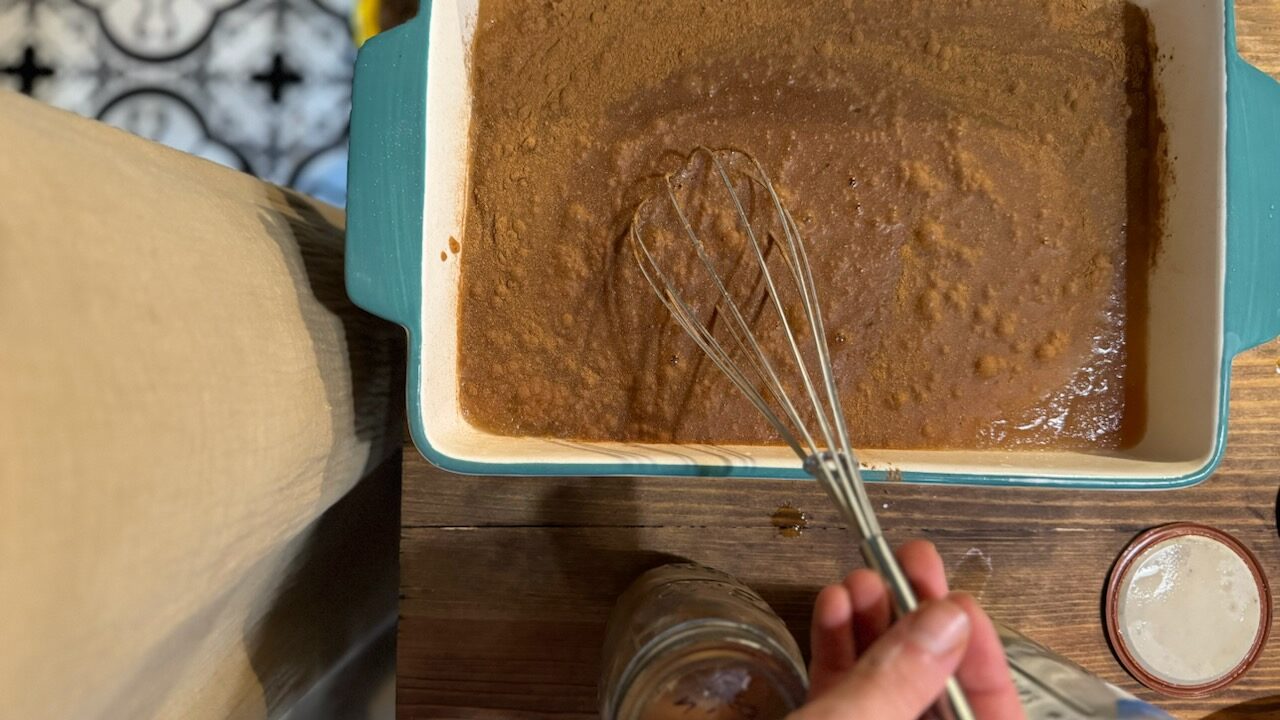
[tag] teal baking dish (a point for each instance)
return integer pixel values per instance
(1214, 293)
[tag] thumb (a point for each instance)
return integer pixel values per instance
(904, 672)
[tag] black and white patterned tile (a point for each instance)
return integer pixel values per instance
(259, 85)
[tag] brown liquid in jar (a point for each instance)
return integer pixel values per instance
(977, 183)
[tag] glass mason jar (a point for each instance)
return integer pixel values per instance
(688, 641)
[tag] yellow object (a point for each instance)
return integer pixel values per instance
(365, 20)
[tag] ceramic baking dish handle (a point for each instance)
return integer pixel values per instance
(1253, 205)
(385, 175)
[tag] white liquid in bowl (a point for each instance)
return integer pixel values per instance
(1189, 610)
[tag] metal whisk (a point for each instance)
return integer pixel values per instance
(753, 231)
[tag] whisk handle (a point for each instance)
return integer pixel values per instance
(879, 557)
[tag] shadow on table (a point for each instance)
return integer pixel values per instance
(1267, 707)
(599, 540)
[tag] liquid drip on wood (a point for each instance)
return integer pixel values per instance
(789, 521)
(973, 573)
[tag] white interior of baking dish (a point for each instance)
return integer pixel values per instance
(1186, 286)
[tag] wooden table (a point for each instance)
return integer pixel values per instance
(506, 583)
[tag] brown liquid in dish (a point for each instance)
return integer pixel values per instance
(976, 181)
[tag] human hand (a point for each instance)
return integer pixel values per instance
(863, 667)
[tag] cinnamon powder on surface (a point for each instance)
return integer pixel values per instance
(974, 178)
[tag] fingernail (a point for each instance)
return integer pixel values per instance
(940, 627)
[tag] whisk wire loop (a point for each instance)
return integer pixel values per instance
(707, 342)
(845, 486)
(803, 276)
(738, 326)
(827, 454)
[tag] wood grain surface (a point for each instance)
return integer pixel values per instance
(506, 583)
